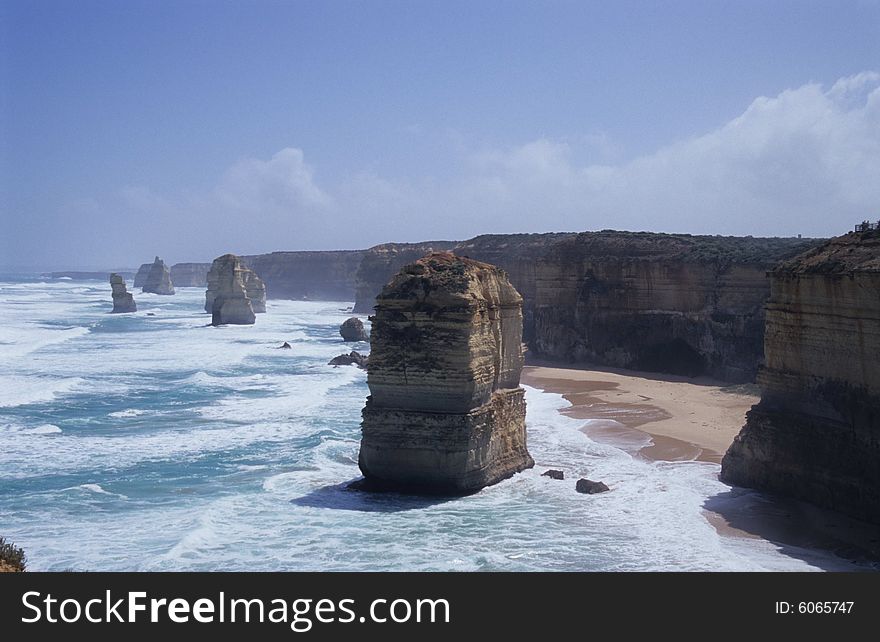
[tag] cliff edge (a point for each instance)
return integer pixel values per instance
(815, 434)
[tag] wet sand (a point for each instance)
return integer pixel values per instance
(684, 418)
(663, 417)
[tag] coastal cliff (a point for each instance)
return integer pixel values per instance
(190, 275)
(815, 434)
(445, 413)
(318, 275)
(518, 255)
(688, 305)
(381, 262)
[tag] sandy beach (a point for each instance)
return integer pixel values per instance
(685, 418)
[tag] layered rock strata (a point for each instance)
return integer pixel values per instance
(227, 295)
(327, 276)
(140, 276)
(158, 279)
(381, 262)
(123, 301)
(688, 305)
(190, 275)
(815, 434)
(445, 414)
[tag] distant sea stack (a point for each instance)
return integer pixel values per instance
(123, 301)
(815, 434)
(226, 298)
(190, 275)
(158, 279)
(382, 262)
(140, 276)
(254, 288)
(445, 414)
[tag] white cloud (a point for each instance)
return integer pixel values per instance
(804, 161)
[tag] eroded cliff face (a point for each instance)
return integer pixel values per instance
(381, 262)
(815, 434)
(326, 276)
(190, 275)
(226, 298)
(518, 255)
(445, 414)
(255, 290)
(690, 305)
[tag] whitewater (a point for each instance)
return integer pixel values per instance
(152, 441)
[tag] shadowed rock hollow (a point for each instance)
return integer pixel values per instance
(445, 414)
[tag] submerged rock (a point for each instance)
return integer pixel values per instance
(226, 295)
(815, 434)
(284, 346)
(351, 359)
(353, 330)
(554, 474)
(158, 279)
(123, 301)
(589, 487)
(445, 414)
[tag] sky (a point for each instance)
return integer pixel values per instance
(189, 129)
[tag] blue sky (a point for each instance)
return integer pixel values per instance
(189, 129)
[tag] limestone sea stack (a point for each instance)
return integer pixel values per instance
(815, 434)
(158, 279)
(253, 285)
(123, 301)
(226, 297)
(445, 413)
(141, 276)
(255, 289)
(353, 330)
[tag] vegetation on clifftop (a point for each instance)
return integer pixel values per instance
(12, 557)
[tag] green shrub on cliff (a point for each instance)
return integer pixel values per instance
(12, 558)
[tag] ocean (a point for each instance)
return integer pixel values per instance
(152, 441)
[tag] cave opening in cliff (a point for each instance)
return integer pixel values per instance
(676, 357)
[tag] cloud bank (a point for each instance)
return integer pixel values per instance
(805, 161)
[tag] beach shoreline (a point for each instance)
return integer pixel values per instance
(663, 417)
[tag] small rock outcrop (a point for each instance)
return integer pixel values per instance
(446, 414)
(140, 276)
(158, 279)
(226, 296)
(815, 433)
(284, 346)
(351, 359)
(589, 487)
(554, 474)
(353, 330)
(123, 301)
